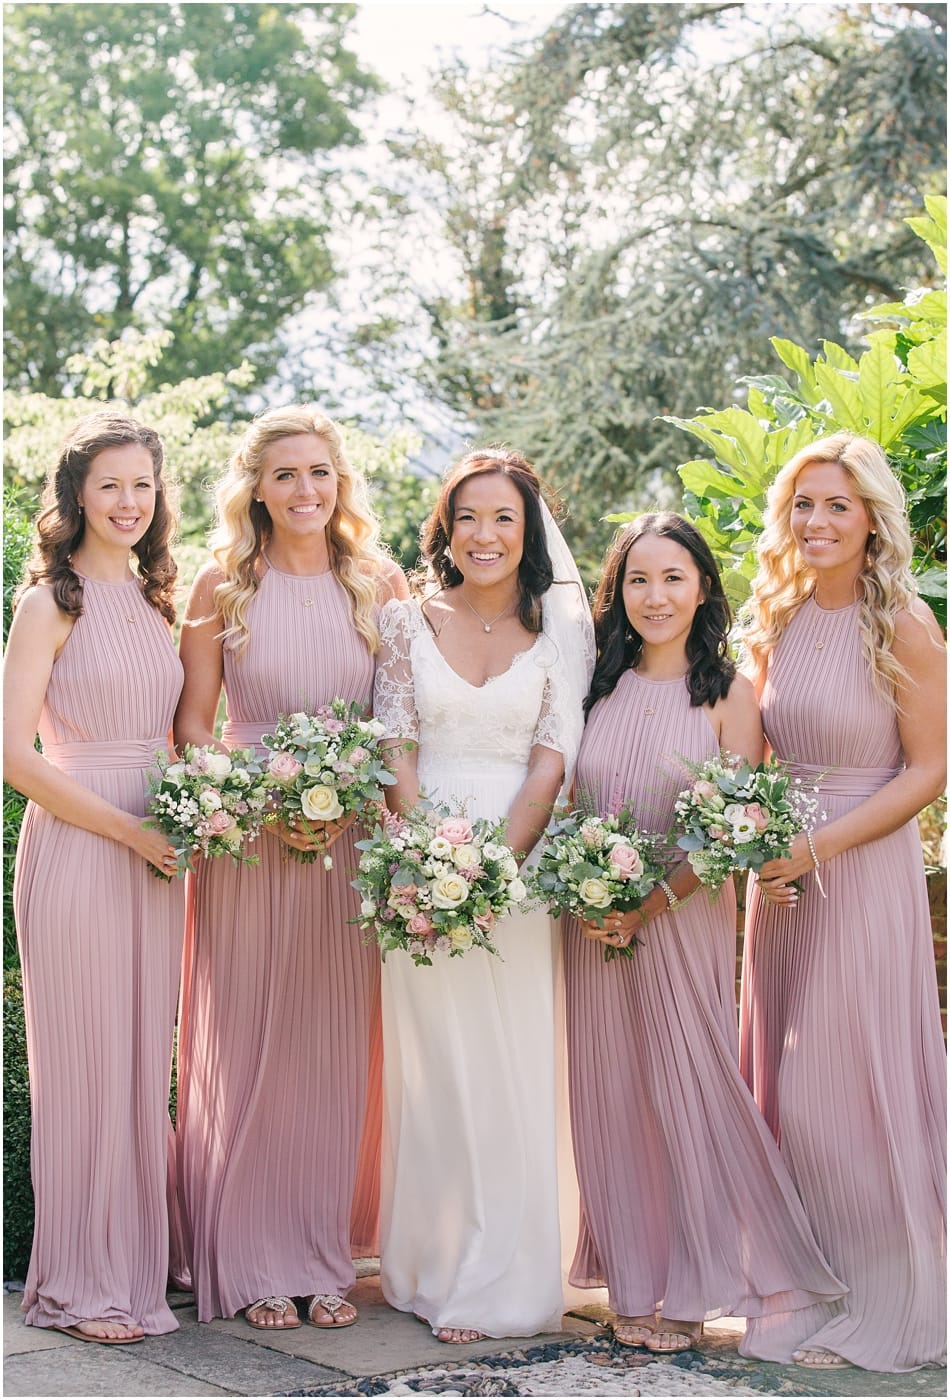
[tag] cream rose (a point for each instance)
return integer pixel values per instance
(594, 892)
(461, 939)
(449, 891)
(517, 890)
(320, 803)
(465, 857)
(218, 765)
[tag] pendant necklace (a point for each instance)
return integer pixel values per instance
(486, 626)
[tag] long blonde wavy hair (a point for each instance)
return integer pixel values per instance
(244, 528)
(783, 582)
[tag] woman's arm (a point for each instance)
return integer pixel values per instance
(531, 809)
(37, 635)
(921, 721)
(202, 654)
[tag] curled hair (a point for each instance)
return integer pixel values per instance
(244, 527)
(620, 646)
(535, 571)
(783, 582)
(61, 525)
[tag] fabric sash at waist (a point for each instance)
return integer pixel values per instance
(843, 782)
(127, 753)
(245, 736)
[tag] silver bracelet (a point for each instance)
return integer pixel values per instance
(673, 902)
(809, 837)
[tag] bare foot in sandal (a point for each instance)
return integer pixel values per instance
(330, 1310)
(104, 1330)
(457, 1334)
(671, 1335)
(819, 1358)
(633, 1331)
(272, 1314)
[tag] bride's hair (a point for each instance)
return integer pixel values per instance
(535, 572)
(619, 645)
(783, 581)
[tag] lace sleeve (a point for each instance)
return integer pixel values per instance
(560, 719)
(394, 701)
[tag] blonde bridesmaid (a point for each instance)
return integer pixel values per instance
(280, 996)
(841, 1036)
(90, 665)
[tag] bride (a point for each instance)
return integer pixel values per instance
(487, 679)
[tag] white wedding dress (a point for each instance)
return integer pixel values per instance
(469, 1211)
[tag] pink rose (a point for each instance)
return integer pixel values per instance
(334, 726)
(718, 833)
(455, 829)
(757, 815)
(705, 789)
(486, 922)
(626, 861)
(284, 767)
(221, 821)
(420, 925)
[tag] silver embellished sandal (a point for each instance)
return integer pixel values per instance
(331, 1303)
(281, 1306)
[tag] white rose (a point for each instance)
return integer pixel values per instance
(492, 852)
(375, 727)
(218, 765)
(508, 868)
(465, 856)
(517, 890)
(320, 803)
(734, 812)
(367, 908)
(594, 892)
(449, 891)
(440, 848)
(460, 938)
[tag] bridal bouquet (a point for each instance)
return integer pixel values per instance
(208, 803)
(590, 865)
(736, 817)
(436, 883)
(324, 765)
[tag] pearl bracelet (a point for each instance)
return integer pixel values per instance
(673, 902)
(809, 837)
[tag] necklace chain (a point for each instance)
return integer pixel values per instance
(486, 626)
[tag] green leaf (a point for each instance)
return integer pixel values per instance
(795, 357)
(704, 479)
(842, 394)
(928, 363)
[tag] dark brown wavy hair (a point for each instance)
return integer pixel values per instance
(711, 668)
(61, 524)
(535, 571)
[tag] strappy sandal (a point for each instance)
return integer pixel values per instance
(280, 1306)
(330, 1303)
(638, 1333)
(685, 1341)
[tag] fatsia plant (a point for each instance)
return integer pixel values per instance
(895, 393)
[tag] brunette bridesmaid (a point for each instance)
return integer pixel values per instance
(280, 994)
(90, 665)
(687, 1210)
(841, 1035)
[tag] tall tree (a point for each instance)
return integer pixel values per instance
(645, 193)
(170, 165)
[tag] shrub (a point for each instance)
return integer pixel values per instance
(17, 1185)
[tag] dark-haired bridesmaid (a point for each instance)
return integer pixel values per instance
(687, 1210)
(90, 664)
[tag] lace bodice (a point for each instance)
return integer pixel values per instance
(419, 696)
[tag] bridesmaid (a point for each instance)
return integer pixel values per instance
(841, 1037)
(90, 664)
(280, 994)
(686, 1207)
